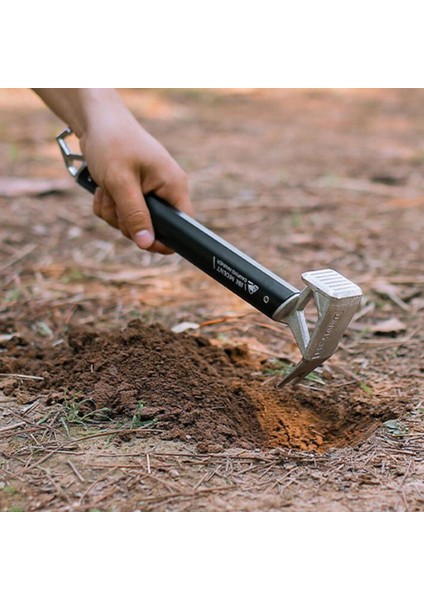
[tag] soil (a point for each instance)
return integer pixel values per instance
(191, 389)
(104, 407)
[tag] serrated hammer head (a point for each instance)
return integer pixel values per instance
(337, 300)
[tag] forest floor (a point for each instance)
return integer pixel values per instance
(131, 381)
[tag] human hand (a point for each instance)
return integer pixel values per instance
(127, 163)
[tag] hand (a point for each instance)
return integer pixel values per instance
(126, 162)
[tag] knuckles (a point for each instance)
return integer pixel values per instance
(116, 178)
(179, 178)
(136, 220)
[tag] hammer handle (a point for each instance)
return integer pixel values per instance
(220, 260)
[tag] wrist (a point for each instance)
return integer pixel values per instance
(101, 107)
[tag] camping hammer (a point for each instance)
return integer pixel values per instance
(336, 297)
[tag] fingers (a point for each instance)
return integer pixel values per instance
(121, 204)
(175, 190)
(132, 213)
(104, 208)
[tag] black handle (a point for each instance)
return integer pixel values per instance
(223, 262)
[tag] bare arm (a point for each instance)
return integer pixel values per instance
(124, 160)
(76, 107)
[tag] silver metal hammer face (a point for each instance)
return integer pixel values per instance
(337, 300)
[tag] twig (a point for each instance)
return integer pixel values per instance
(222, 320)
(408, 468)
(347, 372)
(75, 470)
(11, 427)
(116, 432)
(19, 256)
(93, 485)
(187, 495)
(20, 376)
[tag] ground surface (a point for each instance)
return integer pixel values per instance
(104, 407)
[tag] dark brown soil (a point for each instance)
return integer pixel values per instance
(190, 390)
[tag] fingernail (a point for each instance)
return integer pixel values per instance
(144, 239)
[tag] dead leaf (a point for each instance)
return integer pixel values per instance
(6, 337)
(392, 325)
(384, 288)
(14, 187)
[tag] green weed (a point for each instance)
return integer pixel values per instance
(73, 276)
(366, 388)
(12, 295)
(138, 420)
(76, 409)
(282, 368)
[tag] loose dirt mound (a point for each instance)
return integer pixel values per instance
(190, 389)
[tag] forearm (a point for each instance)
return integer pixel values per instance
(78, 107)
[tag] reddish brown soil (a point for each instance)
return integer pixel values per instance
(190, 389)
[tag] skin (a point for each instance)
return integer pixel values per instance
(124, 159)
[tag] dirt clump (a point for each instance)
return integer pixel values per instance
(189, 389)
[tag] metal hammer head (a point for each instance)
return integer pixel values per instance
(337, 300)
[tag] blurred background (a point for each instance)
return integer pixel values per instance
(299, 179)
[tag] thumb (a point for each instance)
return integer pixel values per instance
(133, 214)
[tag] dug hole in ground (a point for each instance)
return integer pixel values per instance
(104, 406)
